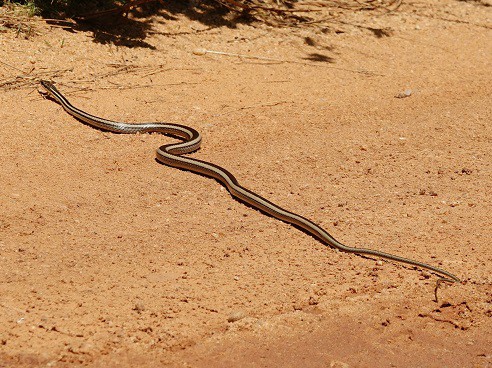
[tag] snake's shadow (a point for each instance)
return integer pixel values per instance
(293, 225)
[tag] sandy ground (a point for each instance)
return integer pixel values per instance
(109, 259)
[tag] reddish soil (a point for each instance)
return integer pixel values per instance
(109, 259)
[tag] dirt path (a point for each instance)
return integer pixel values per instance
(110, 259)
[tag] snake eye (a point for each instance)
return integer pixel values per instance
(46, 84)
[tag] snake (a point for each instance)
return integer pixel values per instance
(172, 155)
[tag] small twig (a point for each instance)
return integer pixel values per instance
(264, 105)
(453, 323)
(11, 66)
(201, 51)
(131, 86)
(454, 20)
(27, 78)
(438, 283)
(268, 104)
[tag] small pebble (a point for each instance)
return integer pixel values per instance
(199, 51)
(425, 275)
(139, 307)
(404, 94)
(236, 316)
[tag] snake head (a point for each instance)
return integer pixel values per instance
(49, 90)
(46, 84)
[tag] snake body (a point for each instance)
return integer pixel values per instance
(171, 155)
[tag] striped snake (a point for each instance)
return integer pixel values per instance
(171, 155)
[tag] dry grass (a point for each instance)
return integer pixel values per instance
(18, 18)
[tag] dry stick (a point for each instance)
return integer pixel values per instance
(368, 28)
(153, 85)
(134, 69)
(23, 77)
(16, 22)
(201, 52)
(268, 104)
(454, 20)
(11, 66)
(56, 23)
(123, 68)
(119, 86)
(28, 77)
